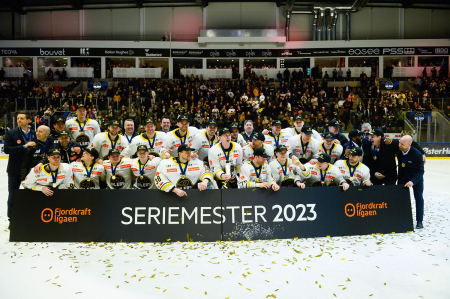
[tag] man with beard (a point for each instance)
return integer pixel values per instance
(325, 174)
(355, 141)
(257, 173)
(329, 147)
(204, 140)
(183, 135)
(82, 130)
(305, 148)
(106, 141)
(277, 137)
(153, 140)
(257, 142)
(353, 171)
(236, 136)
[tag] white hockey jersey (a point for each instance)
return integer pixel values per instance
(240, 140)
(293, 173)
(248, 179)
(281, 139)
(293, 131)
(361, 174)
(168, 174)
(331, 174)
(174, 141)
(102, 143)
(310, 150)
(146, 179)
(36, 181)
(156, 143)
(121, 179)
(80, 178)
(202, 144)
(248, 153)
(85, 138)
(218, 160)
(334, 152)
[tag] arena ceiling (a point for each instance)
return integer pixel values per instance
(24, 6)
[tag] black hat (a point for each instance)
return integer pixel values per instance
(377, 132)
(233, 126)
(276, 122)
(307, 130)
(93, 152)
(149, 121)
(259, 136)
(54, 151)
(334, 123)
(224, 131)
(298, 117)
(142, 148)
(81, 105)
(354, 133)
(113, 151)
(211, 122)
(183, 118)
(113, 123)
(63, 133)
(59, 119)
(324, 158)
(356, 151)
(185, 147)
(280, 148)
(260, 151)
(328, 135)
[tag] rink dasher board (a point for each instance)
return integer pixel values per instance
(208, 216)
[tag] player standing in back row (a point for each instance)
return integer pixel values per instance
(81, 129)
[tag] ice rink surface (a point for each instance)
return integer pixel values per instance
(412, 265)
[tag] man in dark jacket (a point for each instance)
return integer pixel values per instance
(410, 173)
(16, 142)
(34, 154)
(70, 150)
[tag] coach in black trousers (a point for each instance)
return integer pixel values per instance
(410, 173)
(16, 141)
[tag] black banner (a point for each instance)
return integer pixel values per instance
(436, 149)
(224, 53)
(211, 215)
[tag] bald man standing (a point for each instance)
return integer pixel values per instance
(34, 154)
(410, 173)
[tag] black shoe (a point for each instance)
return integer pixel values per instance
(419, 225)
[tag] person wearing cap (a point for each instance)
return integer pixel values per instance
(81, 129)
(297, 129)
(152, 139)
(58, 127)
(410, 173)
(353, 171)
(183, 135)
(205, 139)
(181, 173)
(285, 172)
(144, 168)
(105, 141)
(277, 137)
(379, 156)
(247, 134)
(304, 147)
(333, 127)
(118, 171)
(325, 174)
(257, 173)
(54, 175)
(257, 142)
(329, 147)
(355, 141)
(236, 136)
(225, 160)
(36, 154)
(87, 173)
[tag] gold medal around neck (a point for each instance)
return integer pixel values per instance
(258, 180)
(81, 133)
(113, 177)
(88, 179)
(183, 176)
(54, 185)
(351, 179)
(304, 156)
(323, 183)
(141, 177)
(403, 164)
(374, 157)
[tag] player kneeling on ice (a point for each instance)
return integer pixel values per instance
(256, 173)
(287, 172)
(325, 174)
(181, 173)
(54, 175)
(144, 168)
(353, 171)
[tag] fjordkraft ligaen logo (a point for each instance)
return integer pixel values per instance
(363, 210)
(63, 215)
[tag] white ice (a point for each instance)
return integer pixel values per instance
(412, 265)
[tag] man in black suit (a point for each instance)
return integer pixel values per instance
(16, 141)
(410, 173)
